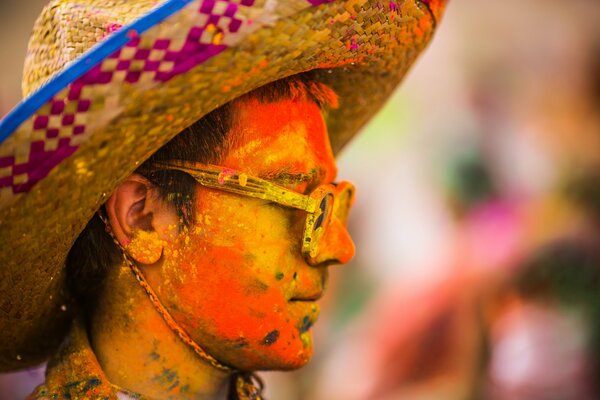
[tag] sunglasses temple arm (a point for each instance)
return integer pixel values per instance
(244, 185)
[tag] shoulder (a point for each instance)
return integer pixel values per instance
(83, 390)
(41, 393)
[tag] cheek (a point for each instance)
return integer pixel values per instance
(231, 281)
(228, 288)
(242, 220)
(266, 235)
(242, 305)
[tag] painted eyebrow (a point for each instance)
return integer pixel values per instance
(285, 177)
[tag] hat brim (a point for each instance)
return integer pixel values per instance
(66, 147)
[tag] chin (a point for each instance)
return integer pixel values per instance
(296, 362)
(276, 358)
(297, 354)
(285, 365)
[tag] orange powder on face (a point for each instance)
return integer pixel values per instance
(242, 307)
(236, 280)
(290, 138)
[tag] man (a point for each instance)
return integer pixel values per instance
(244, 289)
(222, 238)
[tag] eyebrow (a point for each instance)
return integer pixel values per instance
(285, 177)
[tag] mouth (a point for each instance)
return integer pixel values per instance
(313, 291)
(307, 298)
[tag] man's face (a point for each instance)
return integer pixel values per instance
(236, 279)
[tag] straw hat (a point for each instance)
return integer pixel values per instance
(109, 82)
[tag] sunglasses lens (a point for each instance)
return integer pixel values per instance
(324, 211)
(334, 201)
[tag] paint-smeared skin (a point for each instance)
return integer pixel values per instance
(234, 277)
(305, 325)
(242, 288)
(168, 378)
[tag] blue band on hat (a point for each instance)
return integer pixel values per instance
(112, 43)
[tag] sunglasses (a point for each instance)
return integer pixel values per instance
(332, 200)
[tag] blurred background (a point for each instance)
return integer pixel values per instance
(477, 273)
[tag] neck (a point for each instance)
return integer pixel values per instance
(138, 352)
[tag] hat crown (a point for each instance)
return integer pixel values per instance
(68, 28)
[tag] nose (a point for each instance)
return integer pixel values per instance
(336, 245)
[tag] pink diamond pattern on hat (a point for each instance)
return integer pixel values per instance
(318, 2)
(55, 126)
(59, 127)
(163, 59)
(53, 130)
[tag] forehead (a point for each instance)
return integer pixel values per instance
(282, 136)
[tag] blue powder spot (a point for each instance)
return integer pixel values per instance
(169, 374)
(91, 383)
(306, 324)
(271, 338)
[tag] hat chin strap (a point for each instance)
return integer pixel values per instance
(244, 381)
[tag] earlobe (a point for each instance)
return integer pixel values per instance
(130, 211)
(146, 247)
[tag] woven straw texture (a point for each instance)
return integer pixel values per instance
(62, 162)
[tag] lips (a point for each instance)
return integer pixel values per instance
(308, 297)
(311, 289)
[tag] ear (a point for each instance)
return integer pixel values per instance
(140, 219)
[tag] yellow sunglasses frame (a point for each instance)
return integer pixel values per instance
(232, 181)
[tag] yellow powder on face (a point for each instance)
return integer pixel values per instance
(243, 178)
